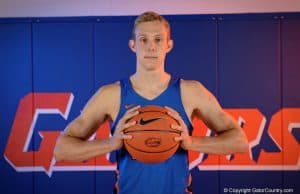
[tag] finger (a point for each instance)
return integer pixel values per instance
(121, 126)
(177, 117)
(133, 109)
(177, 127)
(125, 136)
(127, 125)
(183, 131)
(129, 115)
(171, 109)
(178, 138)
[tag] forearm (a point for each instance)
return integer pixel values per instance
(74, 149)
(231, 141)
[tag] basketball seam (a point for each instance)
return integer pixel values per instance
(159, 130)
(160, 111)
(151, 152)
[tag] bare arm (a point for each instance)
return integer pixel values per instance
(75, 147)
(199, 102)
(72, 145)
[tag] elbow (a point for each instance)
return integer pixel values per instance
(243, 145)
(57, 153)
(239, 146)
(239, 143)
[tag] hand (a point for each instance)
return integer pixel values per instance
(185, 138)
(119, 136)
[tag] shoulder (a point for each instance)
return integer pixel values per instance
(193, 87)
(108, 90)
(112, 87)
(104, 99)
(189, 83)
(195, 94)
(105, 102)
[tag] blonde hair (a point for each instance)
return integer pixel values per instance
(150, 16)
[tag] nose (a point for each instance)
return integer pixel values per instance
(152, 46)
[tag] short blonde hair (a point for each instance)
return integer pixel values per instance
(150, 16)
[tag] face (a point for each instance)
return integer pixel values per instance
(151, 45)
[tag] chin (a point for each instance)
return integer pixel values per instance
(151, 67)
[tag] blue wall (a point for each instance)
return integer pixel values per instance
(246, 60)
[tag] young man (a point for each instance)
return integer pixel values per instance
(151, 85)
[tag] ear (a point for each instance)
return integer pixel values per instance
(131, 45)
(170, 45)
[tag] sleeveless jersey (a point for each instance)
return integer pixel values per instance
(168, 177)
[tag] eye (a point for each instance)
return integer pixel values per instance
(158, 39)
(143, 39)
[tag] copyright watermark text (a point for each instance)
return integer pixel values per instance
(257, 190)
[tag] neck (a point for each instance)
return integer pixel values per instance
(150, 78)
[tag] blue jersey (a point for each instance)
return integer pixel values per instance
(168, 177)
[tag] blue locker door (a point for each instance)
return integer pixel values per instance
(113, 61)
(62, 62)
(249, 77)
(291, 99)
(194, 58)
(113, 58)
(193, 55)
(15, 83)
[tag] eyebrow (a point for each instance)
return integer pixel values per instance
(158, 34)
(141, 35)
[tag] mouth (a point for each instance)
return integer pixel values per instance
(150, 57)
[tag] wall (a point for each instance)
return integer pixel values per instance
(55, 8)
(50, 67)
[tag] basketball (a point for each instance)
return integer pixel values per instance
(152, 137)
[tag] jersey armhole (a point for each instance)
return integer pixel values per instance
(122, 95)
(189, 124)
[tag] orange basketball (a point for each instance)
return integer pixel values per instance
(152, 137)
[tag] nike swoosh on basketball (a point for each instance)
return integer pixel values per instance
(145, 122)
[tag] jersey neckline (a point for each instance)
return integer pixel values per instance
(170, 83)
